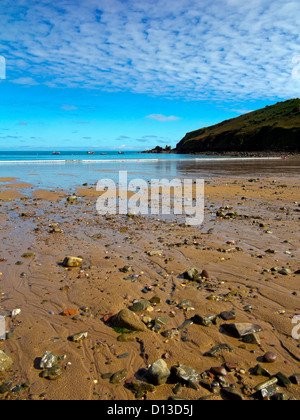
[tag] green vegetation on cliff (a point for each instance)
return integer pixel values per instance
(275, 128)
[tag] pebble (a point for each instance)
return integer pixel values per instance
(270, 357)
(218, 371)
(119, 377)
(158, 372)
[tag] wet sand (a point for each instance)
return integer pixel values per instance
(266, 219)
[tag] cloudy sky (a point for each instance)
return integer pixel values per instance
(131, 74)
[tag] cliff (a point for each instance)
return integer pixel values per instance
(274, 128)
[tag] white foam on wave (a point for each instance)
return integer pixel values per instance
(195, 159)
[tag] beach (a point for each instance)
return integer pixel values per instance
(246, 254)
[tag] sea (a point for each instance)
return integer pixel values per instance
(67, 170)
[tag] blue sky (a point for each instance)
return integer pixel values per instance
(133, 74)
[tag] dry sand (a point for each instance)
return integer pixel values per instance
(43, 289)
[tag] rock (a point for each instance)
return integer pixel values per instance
(204, 275)
(158, 372)
(5, 387)
(184, 304)
(154, 253)
(49, 360)
(77, 338)
(229, 395)
(218, 371)
(147, 320)
(186, 324)
(159, 322)
(72, 262)
(171, 334)
(270, 357)
(205, 321)
(266, 384)
(140, 387)
(139, 306)
(127, 319)
(72, 199)
(119, 377)
(267, 393)
(5, 361)
(70, 312)
(295, 379)
(261, 371)
(155, 300)
(186, 375)
(283, 380)
(241, 329)
(252, 338)
(53, 373)
(15, 312)
(126, 269)
(227, 316)
(28, 255)
(231, 367)
(285, 272)
(216, 350)
(192, 274)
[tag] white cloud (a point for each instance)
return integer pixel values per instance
(226, 49)
(162, 118)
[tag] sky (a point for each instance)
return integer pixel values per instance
(134, 74)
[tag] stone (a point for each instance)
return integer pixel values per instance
(186, 375)
(158, 372)
(227, 316)
(231, 367)
(229, 395)
(155, 300)
(270, 357)
(204, 320)
(129, 320)
(119, 377)
(72, 198)
(216, 350)
(28, 255)
(70, 312)
(53, 373)
(141, 387)
(72, 262)
(192, 274)
(185, 304)
(5, 361)
(295, 379)
(204, 275)
(239, 330)
(126, 269)
(185, 324)
(285, 272)
(261, 371)
(283, 380)
(154, 253)
(171, 334)
(266, 384)
(48, 360)
(252, 338)
(139, 306)
(267, 392)
(218, 371)
(77, 338)
(5, 387)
